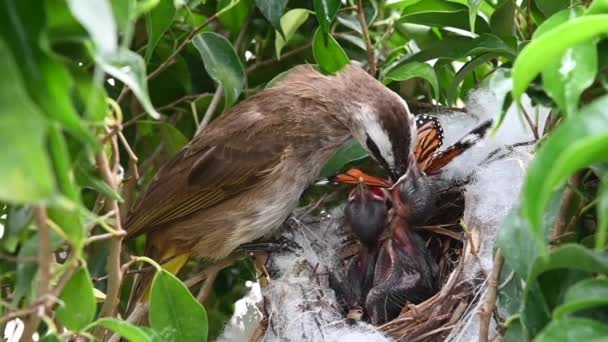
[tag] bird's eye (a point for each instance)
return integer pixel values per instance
(373, 148)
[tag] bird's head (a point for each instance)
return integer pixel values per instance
(383, 124)
(366, 212)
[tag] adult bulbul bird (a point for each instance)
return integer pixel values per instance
(242, 176)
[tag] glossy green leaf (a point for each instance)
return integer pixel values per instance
(601, 236)
(502, 21)
(414, 70)
(290, 22)
(598, 7)
(442, 14)
(329, 55)
(174, 313)
(517, 243)
(573, 329)
(549, 7)
(467, 69)
(25, 175)
(272, 10)
(551, 46)
(572, 256)
(130, 69)
(583, 295)
(47, 80)
(78, 304)
(573, 145)
(125, 329)
(326, 12)
(566, 79)
(236, 14)
(97, 18)
(17, 219)
(222, 64)
(157, 22)
(473, 9)
(350, 152)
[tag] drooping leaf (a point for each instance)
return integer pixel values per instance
(326, 12)
(573, 329)
(78, 301)
(573, 145)
(272, 10)
(586, 294)
(442, 14)
(125, 329)
(350, 152)
(598, 7)
(97, 18)
(551, 46)
(130, 69)
(236, 15)
(565, 79)
(174, 313)
(290, 22)
(549, 7)
(502, 21)
(25, 175)
(414, 70)
(328, 53)
(222, 64)
(473, 8)
(157, 22)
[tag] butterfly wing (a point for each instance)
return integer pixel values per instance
(430, 139)
(356, 176)
(439, 159)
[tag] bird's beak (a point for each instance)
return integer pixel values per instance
(400, 177)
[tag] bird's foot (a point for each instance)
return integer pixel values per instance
(281, 244)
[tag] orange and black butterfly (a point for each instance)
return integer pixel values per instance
(427, 154)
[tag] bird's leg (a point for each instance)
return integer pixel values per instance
(280, 244)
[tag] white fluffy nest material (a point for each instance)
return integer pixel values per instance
(300, 305)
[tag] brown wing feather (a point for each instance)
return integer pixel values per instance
(201, 176)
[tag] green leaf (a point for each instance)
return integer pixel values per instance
(442, 14)
(572, 256)
(290, 22)
(272, 10)
(473, 8)
(549, 7)
(328, 53)
(17, 219)
(573, 329)
(174, 313)
(598, 7)
(350, 152)
(517, 243)
(573, 145)
(601, 236)
(97, 18)
(326, 11)
(236, 16)
(583, 295)
(502, 21)
(130, 69)
(566, 79)
(125, 329)
(157, 22)
(551, 46)
(51, 338)
(414, 70)
(67, 219)
(25, 175)
(468, 68)
(222, 64)
(78, 301)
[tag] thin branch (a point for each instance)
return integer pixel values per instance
(205, 290)
(171, 59)
(485, 314)
(560, 227)
(215, 101)
(115, 275)
(45, 258)
(276, 60)
(533, 127)
(368, 42)
(130, 182)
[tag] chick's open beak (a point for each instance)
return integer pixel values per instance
(399, 176)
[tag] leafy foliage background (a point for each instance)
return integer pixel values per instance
(97, 94)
